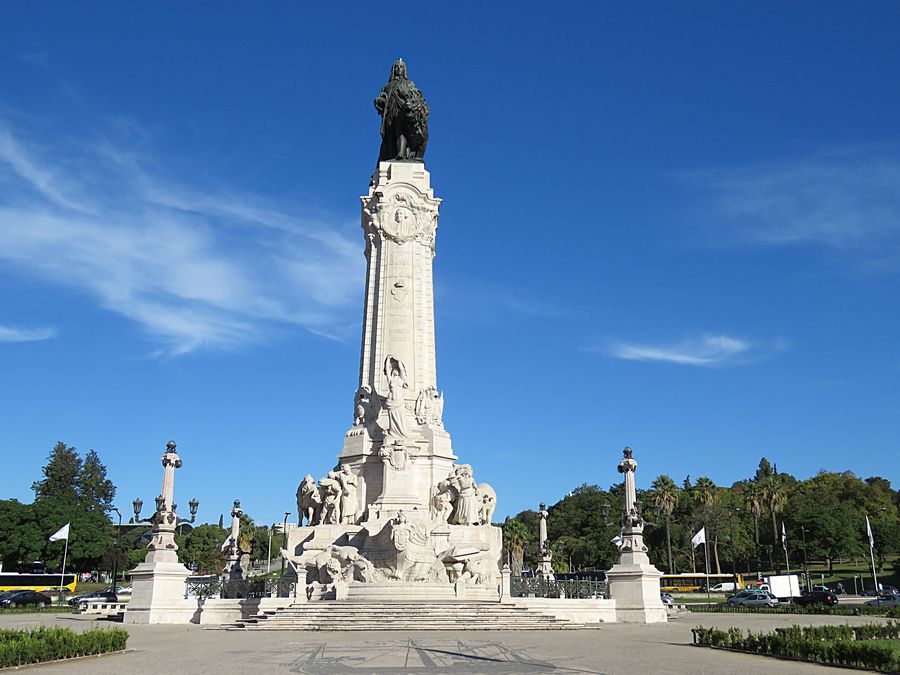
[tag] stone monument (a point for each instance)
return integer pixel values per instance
(545, 555)
(233, 553)
(397, 497)
(158, 582)
(633, 581)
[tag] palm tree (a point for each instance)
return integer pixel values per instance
(753, 500)
(776, 498)
(515, 536)
(708, 494)
(665, 499)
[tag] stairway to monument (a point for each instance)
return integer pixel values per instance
(356, 616)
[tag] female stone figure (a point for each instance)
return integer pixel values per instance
(467, 506)
(330, 489)
(349, 497)
(309, 501)
(395, 402)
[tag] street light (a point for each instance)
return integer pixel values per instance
(115, 573)
(284, 532)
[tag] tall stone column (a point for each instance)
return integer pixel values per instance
(159, 582)
(233, 568)
(398, 443)
(633, 581)
(545, 555)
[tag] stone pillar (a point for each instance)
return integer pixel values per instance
(398, 443)
(633, 581)
(159, 582)
(545, 555)
(233, 568)
(505, 583)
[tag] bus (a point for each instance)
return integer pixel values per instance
(16, 581)
(698, 582)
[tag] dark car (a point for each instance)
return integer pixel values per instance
(24, 598)
(99, 596)
(816, 598)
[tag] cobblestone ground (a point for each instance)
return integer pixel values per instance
(611, 648)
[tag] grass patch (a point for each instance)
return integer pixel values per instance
(837, 610)
(22, 647)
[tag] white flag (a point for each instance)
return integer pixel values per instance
(699, 538)
(869, 532)
(63, 533)
(617, 540)
(783, 536)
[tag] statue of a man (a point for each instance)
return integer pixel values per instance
(404, 113)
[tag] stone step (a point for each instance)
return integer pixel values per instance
(402, 615)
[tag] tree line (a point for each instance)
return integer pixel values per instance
(823, 519)
(75, 489)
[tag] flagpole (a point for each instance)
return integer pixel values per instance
(872, 551)
(787, 562)
(706, 553)
(63, 573)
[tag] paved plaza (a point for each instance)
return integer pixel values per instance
(611, 648)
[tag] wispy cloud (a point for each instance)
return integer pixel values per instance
(848, 200)
(706, 350)
(193, 267)
(16, 334)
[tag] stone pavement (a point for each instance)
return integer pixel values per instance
(611, 648)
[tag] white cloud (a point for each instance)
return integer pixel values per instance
(193, 268)
(847, 200)
(15, 334)
(708, 350)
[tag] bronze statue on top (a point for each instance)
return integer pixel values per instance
(404, 123)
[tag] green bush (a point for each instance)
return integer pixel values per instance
(838, 610)
(21, 647)
(838, 645)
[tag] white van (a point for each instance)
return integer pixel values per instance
(724, 587)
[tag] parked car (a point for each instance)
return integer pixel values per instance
(885, 601)
(816, 598)
(24, 598)
(667, 598)
(752, 598)
(98, 596)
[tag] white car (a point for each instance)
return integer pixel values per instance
(724, 587)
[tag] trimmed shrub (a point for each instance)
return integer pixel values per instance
(838, 645)
(21, 647)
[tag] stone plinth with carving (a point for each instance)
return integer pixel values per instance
(633, 581)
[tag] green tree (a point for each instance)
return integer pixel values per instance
(95, 491)
(776, 497)
(665, 499)
(515, 538)
(61, 475)
(707, 494)
(202, 547)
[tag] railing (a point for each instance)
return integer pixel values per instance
(231, 589)
(561, 588)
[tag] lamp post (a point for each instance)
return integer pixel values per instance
(269, 558)
(805, 567)
(284, 532)
(115, 569)
(165, 519)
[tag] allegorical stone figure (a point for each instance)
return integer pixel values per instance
(309, 501)
(349, 497)
(404, 117)
(395, 402)
(467, 507)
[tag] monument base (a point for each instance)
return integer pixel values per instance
(635, 588)
(158, 594)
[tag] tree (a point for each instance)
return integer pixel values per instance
(776, 498)
(515, 537)
(61, 475)
(753, 501)
(202, 547)
(665, 499)
(95, 491)
(707, 497)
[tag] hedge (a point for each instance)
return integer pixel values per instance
(21, 647)
(837, 610)
(837, 645)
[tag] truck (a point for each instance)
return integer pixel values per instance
(782, 586)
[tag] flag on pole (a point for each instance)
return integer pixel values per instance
(869, 532)
(616, 540)
(63, 533)
(783, 536)
(699, 538)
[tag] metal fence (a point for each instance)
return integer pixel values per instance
(561, 588)
(240, 588)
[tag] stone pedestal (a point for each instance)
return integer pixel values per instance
(158, 594)
(634, 582)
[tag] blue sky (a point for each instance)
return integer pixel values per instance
(674, 226)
